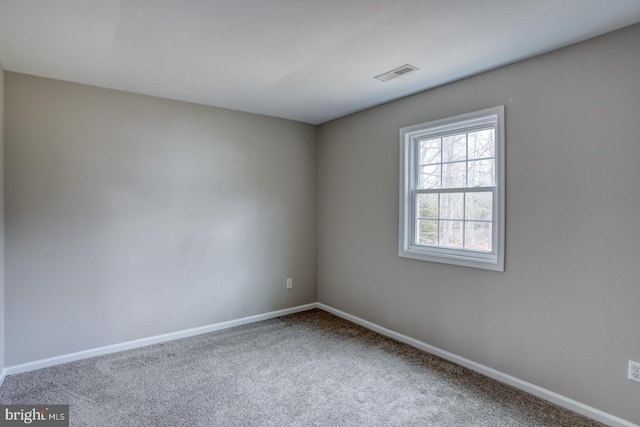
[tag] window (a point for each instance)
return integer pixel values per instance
(452, 190)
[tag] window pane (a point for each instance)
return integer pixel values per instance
(429, 151)
(482, 173)
(427, 232)
(453, 175)
(452, 205)
(427, 205)
(454, 148)
(482, 144)
(478, 236)
(451, 234)
(429, 176)
(479, 206)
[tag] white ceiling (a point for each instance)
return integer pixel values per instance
(306, 60)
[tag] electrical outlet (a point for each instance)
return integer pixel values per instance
(289, 283)
(634, 371)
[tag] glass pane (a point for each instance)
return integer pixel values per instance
(429, 177)
(482, 173)
(427, 232)
(479, 206)
(482, 144)
(454, 148)
(452, 205)
(451, 234)
(429, 151)
(427, 205)
(453, 175)
(478, 236)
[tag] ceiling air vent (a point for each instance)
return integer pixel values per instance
(400, 71)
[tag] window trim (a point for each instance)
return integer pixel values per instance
(464, 257)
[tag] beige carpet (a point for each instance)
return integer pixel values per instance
(306, 369)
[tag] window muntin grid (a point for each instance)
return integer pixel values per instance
(455, 162)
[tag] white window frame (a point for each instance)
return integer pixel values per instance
(409, 137)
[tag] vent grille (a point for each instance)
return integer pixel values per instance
(400, 71)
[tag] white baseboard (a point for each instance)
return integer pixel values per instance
(548, 395)
(2, 375)
(66, 358)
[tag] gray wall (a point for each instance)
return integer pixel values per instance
(2, 365)
(565, 314)
(130, 216)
